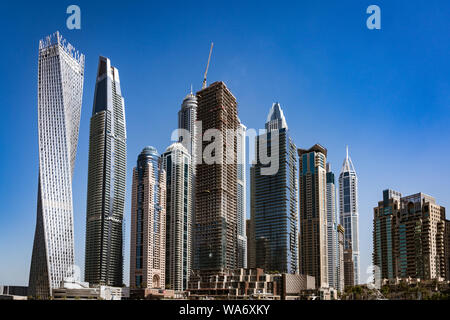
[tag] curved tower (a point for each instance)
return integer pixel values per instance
(60, 91)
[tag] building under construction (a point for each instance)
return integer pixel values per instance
(216, 183)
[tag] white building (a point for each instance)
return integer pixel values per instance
(75, 290)
(176, 161)
(348, 210)
(332, 223)
(60, 90)
(241, 196)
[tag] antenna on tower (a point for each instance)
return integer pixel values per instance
(207, 66)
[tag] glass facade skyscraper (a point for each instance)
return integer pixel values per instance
(60, 91)
(106, 181)
(348, 211)
(176, 162)
(274, 203)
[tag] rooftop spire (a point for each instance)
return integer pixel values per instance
(276, 119)
(347, 166)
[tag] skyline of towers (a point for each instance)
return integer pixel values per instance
(60, 91)
(313, 214)
(216, 181)
(106, 180)
(176, 162)
(348, 211)
(148, 222)
(274, 198)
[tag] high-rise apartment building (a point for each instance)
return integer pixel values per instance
(216, 241)
(274, 198)
(385, 252)
(447, 249)
(348, 211)
(241, 196)
(187, 117)
(60, 91)
(177, 164)
(349, 272)
(106, 181)
(250, 244)
(148, 222)
(313, 214)
(408, 237)
(340, 278)
(332, 229)
(190, 136)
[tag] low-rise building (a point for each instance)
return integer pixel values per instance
(249, 284)
(75, 290)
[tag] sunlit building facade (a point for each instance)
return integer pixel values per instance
(148, 222)
(348, 211)
(60, 91)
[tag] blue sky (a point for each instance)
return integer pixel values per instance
(385, 93)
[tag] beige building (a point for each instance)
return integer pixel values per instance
(148, 222)
(313, 251)
(340, 259)
(409, 237)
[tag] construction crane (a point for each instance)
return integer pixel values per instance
(207, 66)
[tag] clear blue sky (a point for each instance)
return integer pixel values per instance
(384, 93)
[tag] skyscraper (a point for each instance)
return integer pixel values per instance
(348, 210)
(332, 229)
(177, 164)
(148, 222)
(384, 234)
(60, 91)
(313, 214)
(408, 237)
(187, 117)
(106, 180)
(241, 197)
(340, 280)
(216, 181)
(274, 203)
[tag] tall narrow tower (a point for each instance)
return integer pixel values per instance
(60, 91)
(216, 181)
(106, 180)
(348, 210)
(274, 202)
(189, 137)
(313, 214)
(332, 230)
(241, 196)
(148, 222)
(176, 162)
